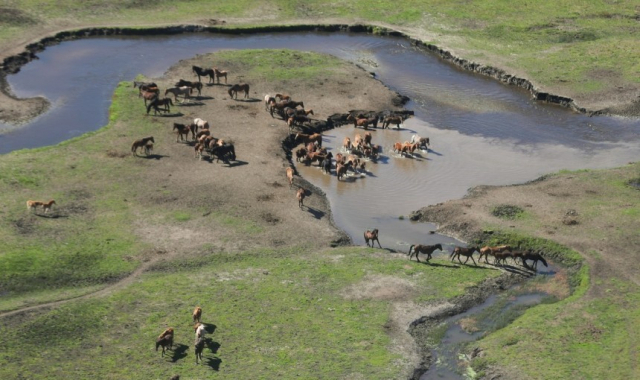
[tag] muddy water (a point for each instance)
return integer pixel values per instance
(482, 132)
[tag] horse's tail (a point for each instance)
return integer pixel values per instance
(410, 248)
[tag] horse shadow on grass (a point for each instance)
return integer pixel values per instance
(316, 213)
(167, 114)
(203, 97)
(250, 100)
(51, 216)
(210, 328)
(179, 352)
(233, 164)
(438, 265)
(190, 104)
(154, 156)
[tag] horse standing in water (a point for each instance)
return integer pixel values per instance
(373, 236)
(426, 249)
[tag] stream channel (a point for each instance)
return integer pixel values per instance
(482, 131)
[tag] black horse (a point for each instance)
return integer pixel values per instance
(326, 164)
(535, 257)
(224, 153)
(157, 103)
(426, 249)
(199, 71)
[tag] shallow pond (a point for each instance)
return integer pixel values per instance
(482, 132)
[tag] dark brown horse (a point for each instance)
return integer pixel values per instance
(393, 119)
(373, 236)
(148, 96)
(165, 340)
(426, 249)
(140, 144)
(193, 85)
(199, 71)
(468, 252)
(233, 90)
(363, 122)
(182, 131)
(157, 103)
(535, 257)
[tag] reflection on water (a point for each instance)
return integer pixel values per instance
(482, 132)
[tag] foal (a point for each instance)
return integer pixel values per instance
(301, 194)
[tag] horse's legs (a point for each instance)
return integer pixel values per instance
(474, 262)
(465, 262)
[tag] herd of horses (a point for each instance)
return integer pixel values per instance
(166, 338)
(499, 253)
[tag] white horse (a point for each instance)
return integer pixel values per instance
(422, 141)
(267, 99)
(201, 124)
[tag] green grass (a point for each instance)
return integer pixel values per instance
(278, 314)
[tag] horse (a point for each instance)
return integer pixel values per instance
(290, 176)
(401, 148)
(486, 251)
(373, 236)
(301, 154)
(267, 100)
(297, 119)
(341, 170)
(279, 107)
(282, 97)
(326, 164)
(300, 195)
(426, 249)
(468, 252)
(148, 96)
(363, 121)
(199, 71)
(422, 141)
(393, 119)
(290, 112)
(140, 144)
(535, 257)
(201, 123)
(165, 340)
(197, 314)
(224, 152)
(198, 148)
(346, 144)
(233, 90)
(182, 131)
(196, 85)
(148, 148)
(222, 73)
(306, 139)
(185, 91)
(31, 205)
(145, 86)
(199, 348)
(156, 103)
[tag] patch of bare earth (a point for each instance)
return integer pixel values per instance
(399, 292)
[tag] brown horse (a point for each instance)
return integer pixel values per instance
(182, 131)
(197, 314)
(486, 251)
(140, 144)
(306, 139)
(341, 170)
(233, 90)
(220, 73)
(290, 176)
(301, 194)
(535, 257)
(426, 249)
(282, 97)
(363, 121)
(468, 252)
(31, 205)
(148, 96)
(371, 236)
(393, 119)
(165, 340)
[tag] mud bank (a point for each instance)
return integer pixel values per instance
(12, 64)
